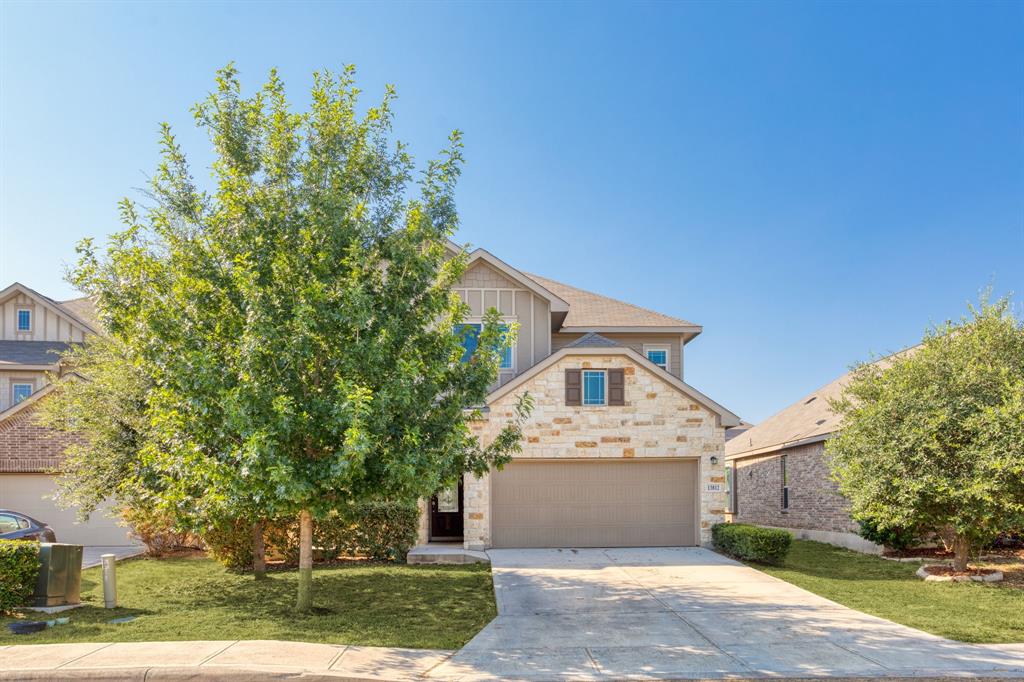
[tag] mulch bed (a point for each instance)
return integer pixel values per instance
(940, 553)
(948, 570)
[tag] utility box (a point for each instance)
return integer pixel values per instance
(60, 575)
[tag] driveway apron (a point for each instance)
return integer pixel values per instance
(677, 613)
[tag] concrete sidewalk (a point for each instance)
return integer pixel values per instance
(223, 660)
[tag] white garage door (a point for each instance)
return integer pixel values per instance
(594, 503)
(28, 493)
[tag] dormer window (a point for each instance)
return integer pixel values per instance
(24, 320)
(657, 354)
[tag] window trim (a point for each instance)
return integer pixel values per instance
(660, 346)
(479, 322)
(14, 388)
(17, 320)
(583, 387)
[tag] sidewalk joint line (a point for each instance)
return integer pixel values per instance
(217, 653)
(78, 658)
(337, 656)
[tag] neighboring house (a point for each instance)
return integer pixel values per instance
(34, 331)
(734, 431)
(778, 476)
(619, 450)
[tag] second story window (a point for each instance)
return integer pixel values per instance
(658, 355)
(19, 392)
(593, 387)
(470, 334)
(24, 320)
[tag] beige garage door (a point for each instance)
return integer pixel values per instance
(27, 493)
(592, 503)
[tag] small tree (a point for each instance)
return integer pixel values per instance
(100, 398)
(297, 321)
(933, 437)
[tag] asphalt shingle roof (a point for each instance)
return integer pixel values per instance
(592, 340)
(587, 309)
(31, 352)
(808, 418)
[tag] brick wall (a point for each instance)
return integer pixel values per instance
(814, 501)
(26, 447)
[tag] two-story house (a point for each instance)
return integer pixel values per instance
(34, 331)
(619, 450)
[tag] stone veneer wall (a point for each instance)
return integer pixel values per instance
(814, 500)
(656, 421)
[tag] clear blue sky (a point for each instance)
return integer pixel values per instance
(812, 182)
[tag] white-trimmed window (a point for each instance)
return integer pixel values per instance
(24, 316)
(594, 385)
(20, 391)
(658, 354)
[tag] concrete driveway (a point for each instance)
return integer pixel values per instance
(91, 554)
(688, 613)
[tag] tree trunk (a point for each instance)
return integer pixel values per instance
(961, 552)
(259, 552)
(305, 601)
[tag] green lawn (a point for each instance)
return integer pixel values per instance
(432, 607)
(969, 612)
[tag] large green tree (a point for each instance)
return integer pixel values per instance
(933, 438)
(296, 320)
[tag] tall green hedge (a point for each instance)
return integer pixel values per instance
(19, 570)
(752, 543)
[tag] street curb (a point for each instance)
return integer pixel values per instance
(177, 674)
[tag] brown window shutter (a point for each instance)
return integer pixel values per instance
(616, 387)
(573, 389)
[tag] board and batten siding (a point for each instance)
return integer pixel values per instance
(46, 324)
(10, 377)
(482, 288)
(635, 341)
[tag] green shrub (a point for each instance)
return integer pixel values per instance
(19, 570)
(752, 543)
(893, 538)
(156, 530)
(384, 530)
(230, 543)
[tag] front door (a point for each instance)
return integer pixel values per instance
(446, 514)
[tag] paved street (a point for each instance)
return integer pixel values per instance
(687, 612)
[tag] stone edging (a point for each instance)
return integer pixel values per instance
(993, 577)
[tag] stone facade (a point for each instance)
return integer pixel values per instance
(657, 420)
(814, 500)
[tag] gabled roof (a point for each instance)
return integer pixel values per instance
(558, 305)
(593, 312)
(31, 352)
(592, 340)
(79, 310)
(84, 308)
(725, 417)
(808, 420)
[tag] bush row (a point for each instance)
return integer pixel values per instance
(19, 570)
(752, 543)
(380, 530)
